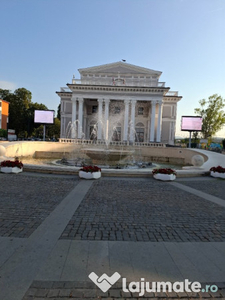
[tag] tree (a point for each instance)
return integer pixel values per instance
(59, 111)
(213, 116)
(54, 129)
(18, 105)
(3, 133)
(21, 110)
(30, 116)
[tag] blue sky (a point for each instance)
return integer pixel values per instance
(44, 42)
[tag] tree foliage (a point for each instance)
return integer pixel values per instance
(3, 133)
(213, 116)
(54, 129)
(21, 111)
(59, 111)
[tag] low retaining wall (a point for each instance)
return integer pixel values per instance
(58, 150)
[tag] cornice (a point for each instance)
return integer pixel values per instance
(172, 98)
(106, 88)
(64, 94)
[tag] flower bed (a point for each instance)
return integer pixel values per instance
(166, 174)
(218, 172)
(90, 172)
(9, 166)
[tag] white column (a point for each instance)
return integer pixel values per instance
(132, 127)
(159, 124)
(74, 116)
(80, 117)
(106, 123)
(62, 130)
(100, 119)
(152, 128)
(126, 117)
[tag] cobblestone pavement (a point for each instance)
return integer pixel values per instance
(44, 290)
(26, 200)
(145, 210)
(215, 187)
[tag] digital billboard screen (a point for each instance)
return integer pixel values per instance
(189, 123)
(44, 116)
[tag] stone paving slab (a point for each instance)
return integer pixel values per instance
(19, 270)
(145, 210)
(25, 201)
(59, 267)
(44, 290)
(73, 260)
(214, 187)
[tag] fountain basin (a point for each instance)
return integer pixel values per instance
(111, 155)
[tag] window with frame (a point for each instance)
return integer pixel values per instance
(139, 136)
(140, 110)
(94, 109)
(117, 110)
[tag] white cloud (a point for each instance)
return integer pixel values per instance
(7, 85)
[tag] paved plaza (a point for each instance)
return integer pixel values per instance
(57, 229)
(137, 210)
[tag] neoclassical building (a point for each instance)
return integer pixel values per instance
(118, 102)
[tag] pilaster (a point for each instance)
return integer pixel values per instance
(152, 128)
(126, 117)
(80, 117)
(159, 123)
(132, 127)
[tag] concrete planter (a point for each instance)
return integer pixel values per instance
(164, 177)
(11, 170)
(89, 175)
(217, 174)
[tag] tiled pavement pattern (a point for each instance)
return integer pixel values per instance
(66, 290)
(134, 210)
(214, 187)
(25, 201)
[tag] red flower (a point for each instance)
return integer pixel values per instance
(12, 164)
(167, 171)
(90, 169)
(218, 169)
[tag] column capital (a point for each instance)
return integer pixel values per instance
(133, 102)
(153, 102)
(160, 102)
(106, 100)
(81, 100)
(126, 101)
(74, 98)
(100, 100)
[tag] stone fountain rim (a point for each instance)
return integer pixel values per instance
(70, 170)
(107, 150)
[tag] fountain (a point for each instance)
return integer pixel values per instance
(113, 156)
(106, 150)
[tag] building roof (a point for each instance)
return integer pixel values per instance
(122, 68)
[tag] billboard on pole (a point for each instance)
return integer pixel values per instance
(190, 123)
(44, 116)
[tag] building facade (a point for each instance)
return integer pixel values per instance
(118, 102)
(4, 113)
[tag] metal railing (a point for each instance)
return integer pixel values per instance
(112, 143)
(126, 82)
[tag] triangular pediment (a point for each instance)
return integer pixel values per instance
(121, 68)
